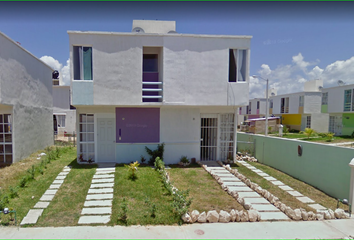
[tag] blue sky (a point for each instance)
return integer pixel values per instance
(292, 42)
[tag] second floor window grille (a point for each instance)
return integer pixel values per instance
(284, 107)
(325, 98)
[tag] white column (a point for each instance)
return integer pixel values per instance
(351, 194)
(235, 132)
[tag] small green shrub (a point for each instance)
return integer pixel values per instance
(184, 159)
(132, 168)
(13, 192)
(159, 164)
(24, 181)
(309, 132)
(142, 159)
(32, 172)
(181, 203)
(285, 130)
(152, 207)
(155, 153)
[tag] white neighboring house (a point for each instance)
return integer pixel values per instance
(26, 115)
(64, 118)
(338, 102)
(153, 85)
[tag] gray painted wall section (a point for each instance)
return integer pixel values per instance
(322, 166)
(83, 92)
(26, 85)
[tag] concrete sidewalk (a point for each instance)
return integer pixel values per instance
(260, 230)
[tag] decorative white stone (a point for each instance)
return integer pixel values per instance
(244, 216)
(212, 216)
(186, 218)
(252, 215)
(194, 216)
(233, 215)
(202, 218)
(224, 216)
(339, 213)
(298, 214)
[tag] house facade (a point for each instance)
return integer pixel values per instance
(338, 102)
(153, 86)
(26, 115)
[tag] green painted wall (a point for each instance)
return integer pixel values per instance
(348, 123)
(322, 166)
(324, 108)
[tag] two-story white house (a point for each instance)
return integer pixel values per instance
(153, 85)
(26, 114)
(64, 117)
(302, 109)
(338, 102)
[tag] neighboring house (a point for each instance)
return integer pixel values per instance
(256, 108)
(301, 110)
(338, 102)
(64, 118)
(26, 116)
(153, 85)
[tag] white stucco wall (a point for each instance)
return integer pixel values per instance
(153, 26)
(336, 98)
(320, 122)
(61, 97)
(26, 85)
(195, 68)
(313, 102)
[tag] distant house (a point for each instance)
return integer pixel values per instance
(152, 86)
(338, 102)
(64, 116)
(26, 115)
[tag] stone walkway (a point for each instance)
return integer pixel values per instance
(33, 214)
(98, 205)
(267, 210)
(311, 203)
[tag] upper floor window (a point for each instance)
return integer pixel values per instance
(150, 63)
(249, 108)
(348, 100)
(301, 101)
(82, 62)
(271, 103)
(284, 107)
(237, 65)
(325, 98)
(257, 104)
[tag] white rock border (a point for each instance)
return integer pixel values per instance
(297, 214)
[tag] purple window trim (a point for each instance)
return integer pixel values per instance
(137, 125)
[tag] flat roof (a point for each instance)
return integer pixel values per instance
(261, 119)
(159, 34)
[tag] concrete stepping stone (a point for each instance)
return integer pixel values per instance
(41, 205)
(63, 173)
(263, 174)
(100, 190)
(216, 168)
(286, 188)
(277, 183)
(50, 192)
(225, 175)
(273, 216)
(99, 196)
(94, 219)
(295, 194)
(66, 169)
(46, 197)
(102, 185)
(103, 176)
(240, 188)
(270, 179)
(60, 177)
(257, 200)
(32, 216)
(98, 203)
(250, 167)
(96, 211)
(249, 195)
(105, 172)
(103, 180)
(54, 186)
(265, 208)
(235, 184)
(318, 207)
(258, 171)
(58, 181)
(105, 169)
(230, 179)
(305, 199)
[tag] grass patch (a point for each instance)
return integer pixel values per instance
(206, 193)
(65, 208)
(140, 195)
(33, 189)
(304, 188)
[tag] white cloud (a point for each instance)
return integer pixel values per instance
(64, 71)
(291, 77)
